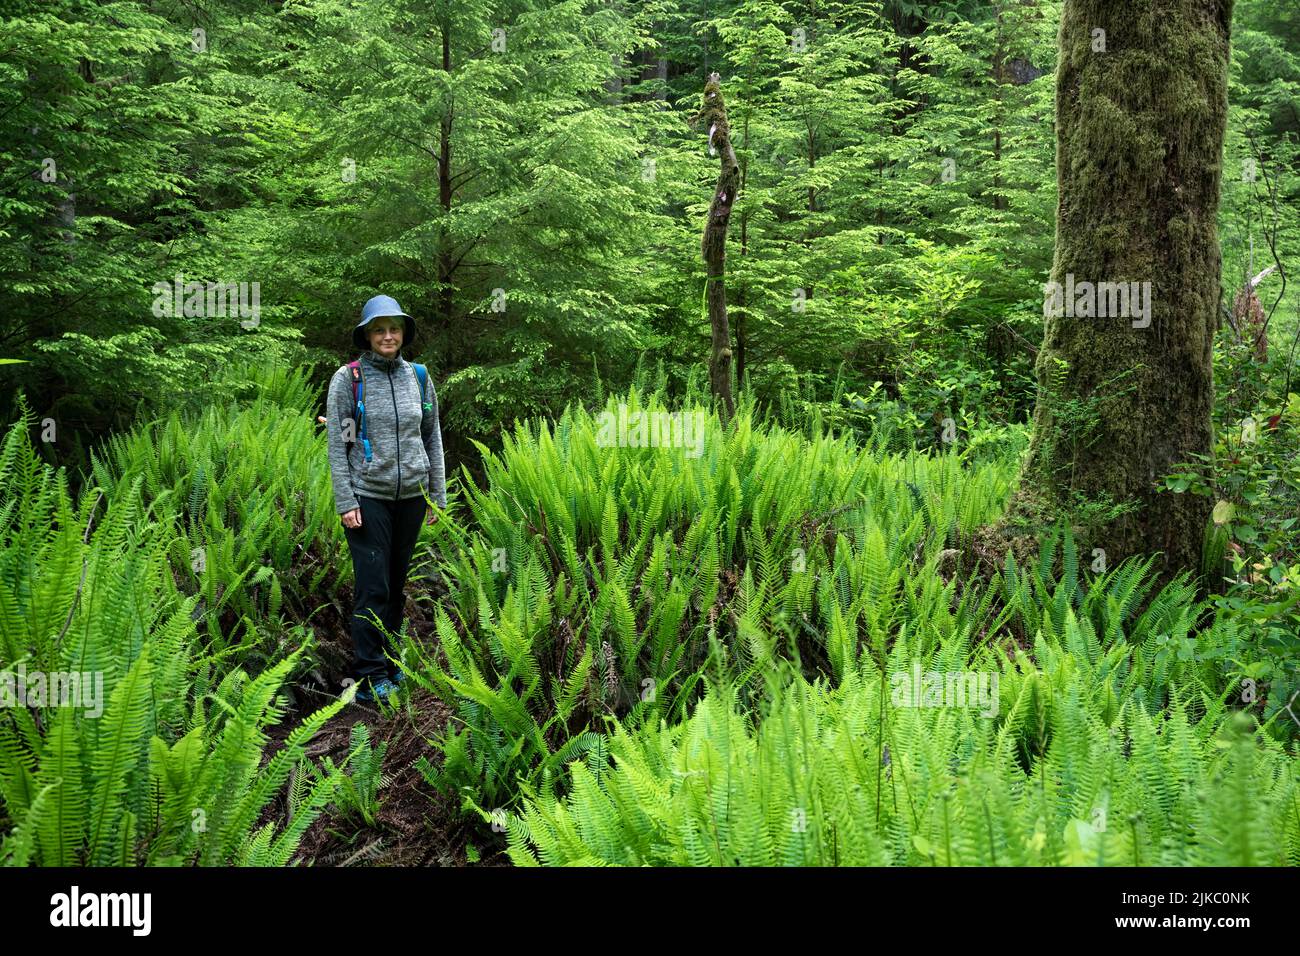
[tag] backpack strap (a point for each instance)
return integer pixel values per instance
(358, 398)
(422, 376)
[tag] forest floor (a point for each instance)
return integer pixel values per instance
(414, 825)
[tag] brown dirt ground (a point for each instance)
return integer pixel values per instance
(415, 826)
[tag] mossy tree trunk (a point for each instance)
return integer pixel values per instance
(713, 118)
(1141, 105)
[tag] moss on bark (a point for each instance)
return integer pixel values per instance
(713, 246)
(1140, 111)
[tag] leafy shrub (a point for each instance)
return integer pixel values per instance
(1252, 545)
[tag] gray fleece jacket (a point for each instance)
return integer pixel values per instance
(405, 439)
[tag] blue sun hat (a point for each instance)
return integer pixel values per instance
(381, 306)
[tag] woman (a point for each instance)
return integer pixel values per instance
(385, 453)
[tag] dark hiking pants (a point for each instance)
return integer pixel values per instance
(381, 555)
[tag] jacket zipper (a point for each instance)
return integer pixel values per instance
(397, 432)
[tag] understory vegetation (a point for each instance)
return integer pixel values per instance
(649, 655)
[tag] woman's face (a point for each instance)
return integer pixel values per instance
(385, 336)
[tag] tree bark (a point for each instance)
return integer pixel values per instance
(446, 266)
(1123, 400)
(742, 314)
(713, 117)
(998, 118)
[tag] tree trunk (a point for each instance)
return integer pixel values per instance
(999, 203)
(742, 314)
(713, 117)
(614, 82)
(1125, 395)
(446, 266)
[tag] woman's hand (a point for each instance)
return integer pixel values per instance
(432, 517)
(352, 519)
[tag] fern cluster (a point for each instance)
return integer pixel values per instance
(592, 581)
(1064, 774)
(242, 488)
(597, 590)
(358, 790)
(170, 765)
(652, 656)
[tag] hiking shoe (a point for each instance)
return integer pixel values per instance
(398, 677)
(381, 689)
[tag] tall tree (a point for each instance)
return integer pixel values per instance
(1141, 106)
(126, 133)
(494, 185)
